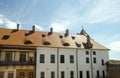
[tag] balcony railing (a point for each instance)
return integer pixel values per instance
(15, 63)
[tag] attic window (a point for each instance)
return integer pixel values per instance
(66, 44)
(61, 36)
(43, 35)
(28, 42)
(46, 43)
(77, 44)
(5, 37)
(73, 37)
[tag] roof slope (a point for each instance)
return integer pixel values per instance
(29, 38)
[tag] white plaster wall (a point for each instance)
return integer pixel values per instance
(46, 67)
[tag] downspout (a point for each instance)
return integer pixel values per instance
(91, 63)
(77, 62)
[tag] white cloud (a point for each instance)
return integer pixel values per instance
(104, 11)
(114, 46)
(39, 28)
(8, 23)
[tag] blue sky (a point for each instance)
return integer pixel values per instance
(100, 18)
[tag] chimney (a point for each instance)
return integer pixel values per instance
(51, 30)
(18, 25)
(66, 32)
(33, 28)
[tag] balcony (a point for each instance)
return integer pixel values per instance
(16, 63)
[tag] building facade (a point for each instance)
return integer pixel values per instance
(33, 54)
(113, 68)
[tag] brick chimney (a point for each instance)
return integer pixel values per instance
(51, 30)
(66, 32)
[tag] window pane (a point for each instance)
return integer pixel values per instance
(94, 53)
(71, 74)
(62, 59)
(81, 74)
(22, 75)
(62, 74)
(87, 59)
(1, 74)
(42, 58)
(42, 75)
(52, 58)
(8, 57)
(87, 52)
(87, 74)
(98, 74)
(71, 59)
(102, 62)
(94, 60)
(22, 57)
(52, 74)
(103, 72)
(30, 75)
(10, 75)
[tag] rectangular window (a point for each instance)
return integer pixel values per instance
(1, 74)
(71, 59)
(81, 74)
(30, 75)
(52, 58)
(94, 53)
(87, 74)
(98, 74)
(10, 75)
(52, 74)
(87, 59)
(102, 62)
(71, 74)
(62, 59)
(42, 75)
(22, 57)
(42, 58)
(87, 52)
(22, 75)
(8, 57)
(94, 60)
(103, 72)
(62, 74)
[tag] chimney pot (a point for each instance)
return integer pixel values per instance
(33, 28)
(18, 25)
(51, 30)
(67, 32)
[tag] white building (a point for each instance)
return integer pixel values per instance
(60, 55)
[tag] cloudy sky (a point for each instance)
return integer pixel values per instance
(100, 18)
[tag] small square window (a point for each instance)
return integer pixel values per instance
(94, 53)
(87, 52)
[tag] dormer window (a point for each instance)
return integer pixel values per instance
(61, 36)
(77, 44)
(73, 37)
(5, 37)
(43, 35)
(46, 43)
(28, 42)
(66, 44)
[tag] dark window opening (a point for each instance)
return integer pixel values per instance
(94, 60)
(30, 75)
(71, 74)
(81, 74)
(71, 59)
(28, 42)
(87, 59)
(77, 44)
(52, 58)
(22, 75)
(87, 52)
(42, 75)
(22, 57)
(87, 74)
(103, 72)
(5, 37)
(62, 59)
(102, 62)
(62, 74)
(42, 58)
(61, 36)
(52, 74)
(43, 35)
(98, 76)
(73, 38)
(66, 44)
(8, 57)
(46, 43)
(94, 53)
